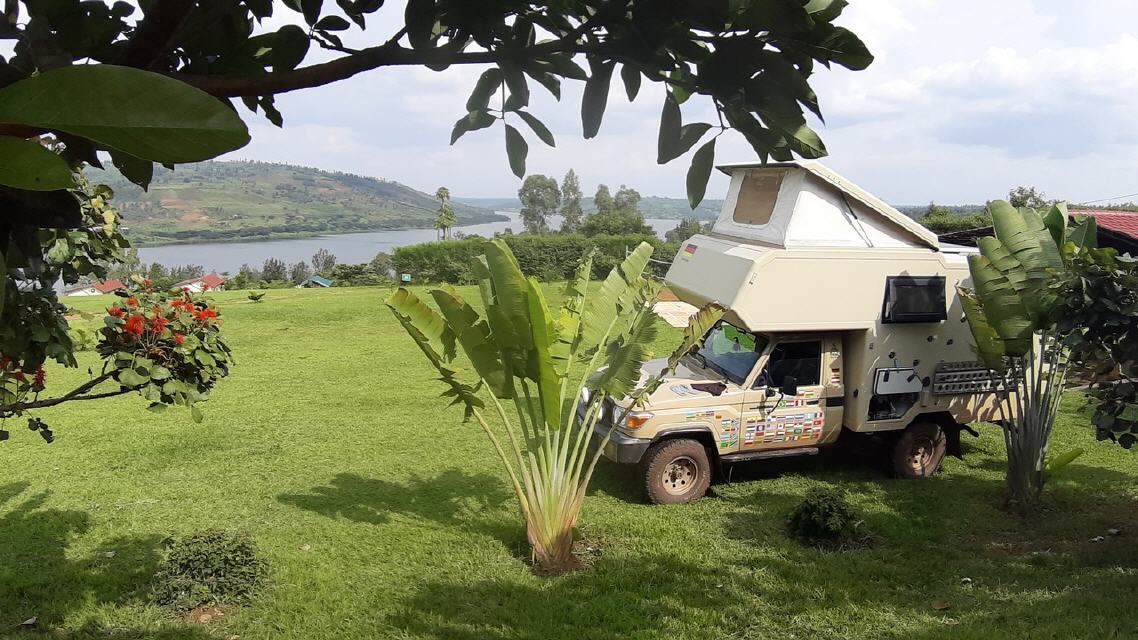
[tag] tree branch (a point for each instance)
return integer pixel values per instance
(75, 394)
(152, 36)
(386, 55)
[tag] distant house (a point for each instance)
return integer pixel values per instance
(95, 289)
(210, 282)
(1117, 229)
(316, 281)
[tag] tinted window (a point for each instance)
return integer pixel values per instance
(801, 360)
(912, 299)
(731, 351)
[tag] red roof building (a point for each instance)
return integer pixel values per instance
(1118, 229)
(210, 281)
(110, 286)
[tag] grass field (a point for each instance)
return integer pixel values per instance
(384, 517)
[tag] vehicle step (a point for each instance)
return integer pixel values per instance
(773, 453)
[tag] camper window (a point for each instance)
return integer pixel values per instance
(757, 195)
(800, 360)
(910, 299)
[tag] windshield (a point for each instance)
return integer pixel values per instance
(731, 351)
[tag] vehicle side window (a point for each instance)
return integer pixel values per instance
(802, 360)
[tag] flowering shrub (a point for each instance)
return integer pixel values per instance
(167, 345)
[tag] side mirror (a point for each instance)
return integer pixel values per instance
(771, 392)
(789, 386)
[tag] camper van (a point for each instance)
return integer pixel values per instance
(842, 318)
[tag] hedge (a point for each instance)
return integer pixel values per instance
(548, 257)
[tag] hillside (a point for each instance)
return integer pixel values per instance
(650, 206)
(225, 201)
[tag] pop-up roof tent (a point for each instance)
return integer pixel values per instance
(804, 204)
(799, 248)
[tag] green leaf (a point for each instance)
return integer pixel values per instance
(519, 89)
(700, 172)
(825, 10)
(548, 377)
(477, 343)
(140, 172)
(698, 325)
(1056, 222)
(472, 121)
(631, 77)
(1058, 462)
(625, 357)
(1085, 233)
(668, 141)
(147, 115)
(487, 84)
(516, 151)
(196, 414)
(28, 165)
(989, 345)
(131, 378)
(538, 128)
(333, 23)
(1001, 305)
(158, 372)
(311, 10)
(551, 82)
(596, 98)
(419, 17)
(616, 293)
(842, 46)
(289, 46)
(431, 332)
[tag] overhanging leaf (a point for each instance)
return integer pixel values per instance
(700, 172)
(668, 140)
(487, 84)
(516, 151)
(27, 164)
(538, 127)
(631, 78)
(148, 115)
(595, 98)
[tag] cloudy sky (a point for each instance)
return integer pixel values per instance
(965, 100)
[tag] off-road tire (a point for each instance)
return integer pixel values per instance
(676, 471)
(919, 451)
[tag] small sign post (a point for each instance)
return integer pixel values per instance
(406, 277)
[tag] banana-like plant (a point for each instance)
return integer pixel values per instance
(1011, 312)
(521, 353)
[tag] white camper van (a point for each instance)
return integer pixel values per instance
(842, 316)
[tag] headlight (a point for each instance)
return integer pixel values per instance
(636, 419)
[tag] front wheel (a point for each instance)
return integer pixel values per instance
(919, 451)
(676, 471)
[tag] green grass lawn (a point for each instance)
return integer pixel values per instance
(383, 516)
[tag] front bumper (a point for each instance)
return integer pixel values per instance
(620, 447)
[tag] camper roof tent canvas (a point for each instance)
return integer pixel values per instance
(804, 204)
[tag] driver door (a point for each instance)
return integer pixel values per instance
(772, 420)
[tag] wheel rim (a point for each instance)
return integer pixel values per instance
(680, 475)
(921, 453)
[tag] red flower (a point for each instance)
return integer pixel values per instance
(179, 338)
(185, 289)
(41, 377)
(205, 314)
(135, 325)
(132, 301)
(176, 303)
(115, 311)
(20, 376)
(159, 324)
(147, 282)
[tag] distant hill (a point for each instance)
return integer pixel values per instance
(650, 206)
(226, 201)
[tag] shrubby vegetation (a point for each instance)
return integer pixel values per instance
(547, 257)
(825, 519)
(209, 568)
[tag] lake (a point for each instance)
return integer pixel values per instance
(349, 248)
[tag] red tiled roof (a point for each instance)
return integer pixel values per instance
(1124, 222)
(211, 280)
(108, 286)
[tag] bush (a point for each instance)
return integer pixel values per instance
(825, 519)
(547, 257)
(208, 568)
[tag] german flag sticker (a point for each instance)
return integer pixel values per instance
(690, 249)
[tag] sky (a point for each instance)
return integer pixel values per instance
(965, 100)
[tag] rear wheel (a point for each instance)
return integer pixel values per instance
(676, 471)
(919, 451)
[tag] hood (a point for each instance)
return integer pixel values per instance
(676, 390)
